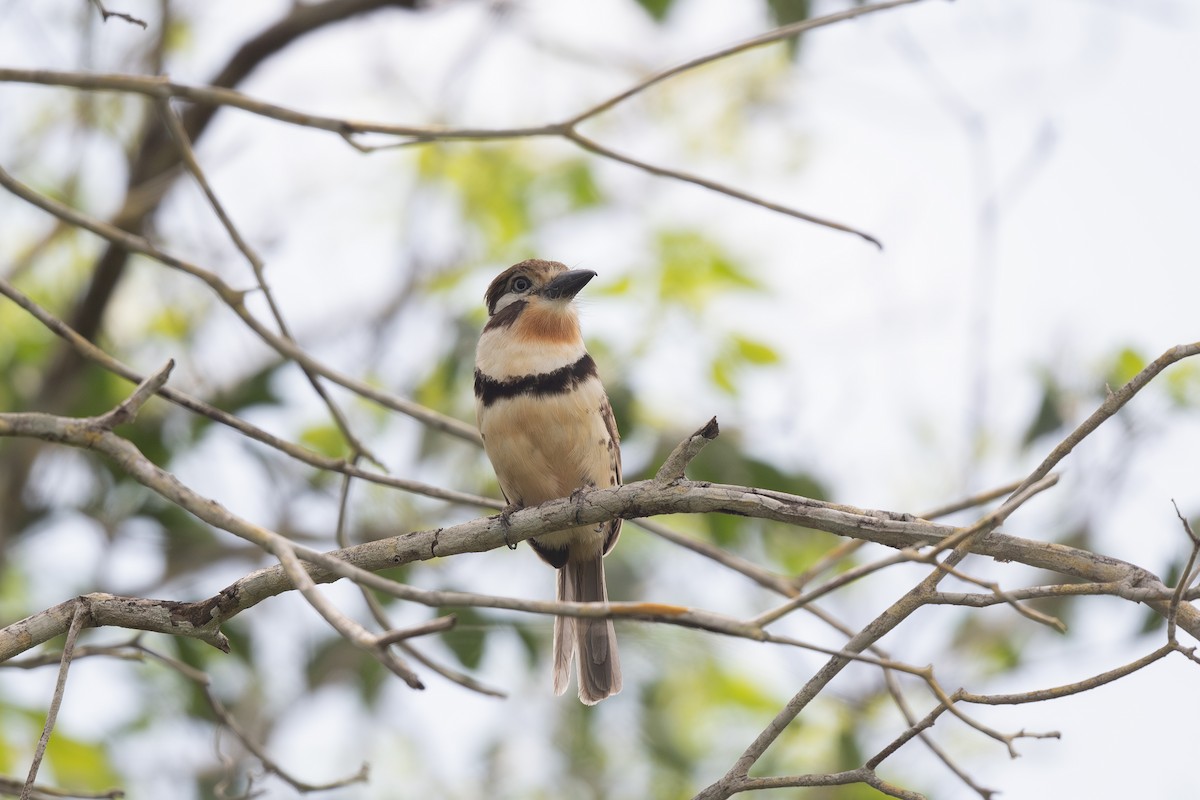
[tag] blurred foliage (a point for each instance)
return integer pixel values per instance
(79, 765)
(504, 196)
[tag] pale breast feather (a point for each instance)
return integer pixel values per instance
(503, 356)
(545, 447)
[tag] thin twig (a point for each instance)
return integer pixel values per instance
(779, 34)
(592, 146)
(227, 720)
(1185, 575)
(235, 299)
(187, 155)
(1001, 594)
(760, 575)
(11, 787)
(1114, 403)
(971, 501)
(381, 617)
(674, 465)
(348, 628)
(845, 549)
(105, 14)
(162, 89)
(56, 701)
(1056, 692)
(128, 408)
(222, 417)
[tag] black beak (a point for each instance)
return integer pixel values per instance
(567, 284)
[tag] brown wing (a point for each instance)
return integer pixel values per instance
(614, 443)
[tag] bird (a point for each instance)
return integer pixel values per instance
(548, 430)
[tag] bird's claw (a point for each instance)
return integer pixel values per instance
(505, 523)
(577, 496)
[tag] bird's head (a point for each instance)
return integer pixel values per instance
(534, 299)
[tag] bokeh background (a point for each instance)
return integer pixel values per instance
(1029, 167)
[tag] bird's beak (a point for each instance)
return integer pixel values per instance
(568, 284)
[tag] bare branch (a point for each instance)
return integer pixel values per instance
(184, 400)
(348, 628)
(235, 299)
(381, 616)
(672, 469)
(435, 625)
(1186, 575)
(60, 686)
(971, 502)
(860, 775)
(1065, 690)
(760, 575)
(161, 90)
(129, 408)
(105, 14)
(779, 34)
(227, 719)
(592, 146)
(631, 500)
(1114, 403)
(12, 787)
(188, 157)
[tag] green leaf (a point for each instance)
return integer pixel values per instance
(466, 639)
(534, 642)
(337, 661)
(1182, 383)
(493, 185)
(14, 592)
(326, 439)
(1049, 417)
(785, 12)
(78, 764)
(657, 9)
(171, 322)
(574, 182)
(793, 550)
(722, 375)
(692, 269)
(618, 288)
(1126, 364)
(754, 351)
(993, 645)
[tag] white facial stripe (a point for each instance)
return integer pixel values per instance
(507, 299)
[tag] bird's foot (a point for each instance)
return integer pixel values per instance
(506, 523)
(577, 496)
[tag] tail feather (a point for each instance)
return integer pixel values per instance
(564, 639)
(598, 665)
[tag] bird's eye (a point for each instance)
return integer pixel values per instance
(520, 284)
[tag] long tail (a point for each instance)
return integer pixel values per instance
(595, 639)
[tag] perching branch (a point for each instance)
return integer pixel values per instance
(645, 498)
(666, 493)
